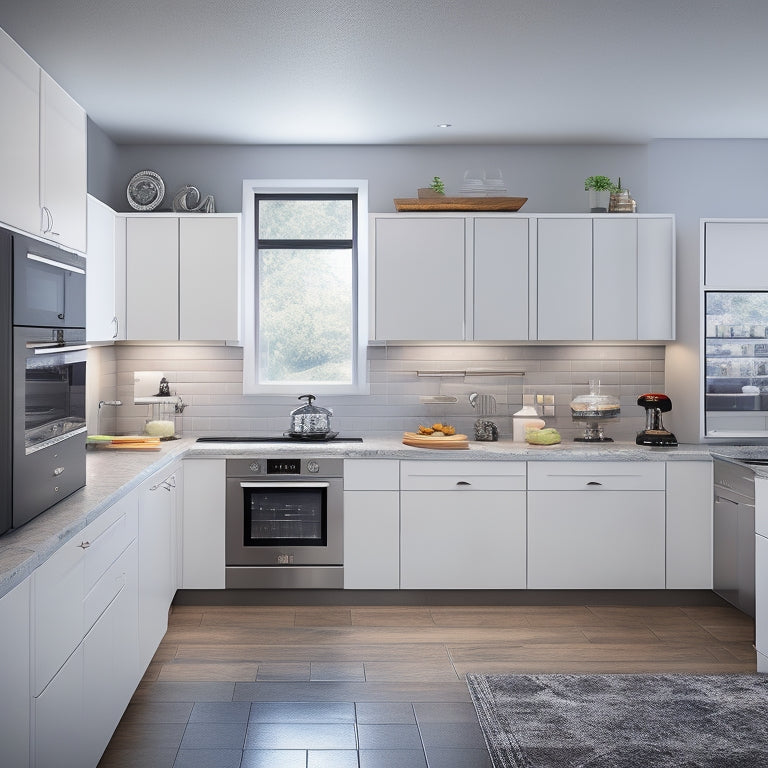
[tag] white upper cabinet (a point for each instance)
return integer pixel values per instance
(500, 279)
(736, 254)
(419, 278)
(102, 321)
(19, 138)
(182, 277)
(564, 275)
(63, 166)
(43, 152)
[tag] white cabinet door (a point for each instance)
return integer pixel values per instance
(656, 278)
(761, 602)
(596, 539)
(419, 278)
(736, 254)
(63, 166)
(157, 561)
(462, 539)
(102, 323)
(371, 540)
(204, 492)
(614, 264)
(19, 137)
(152, 278)
(564, 278)
(689, 525)
(208, 278)
(15, 674)
(500, 277)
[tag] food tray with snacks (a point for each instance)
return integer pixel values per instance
(442, 436)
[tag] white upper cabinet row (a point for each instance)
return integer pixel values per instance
(518, 278)
(162, 277)
(43, 152)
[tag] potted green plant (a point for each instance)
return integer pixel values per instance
(599, 188)
(435, 189)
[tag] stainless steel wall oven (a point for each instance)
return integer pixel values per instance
(42, 377)
(285, 523)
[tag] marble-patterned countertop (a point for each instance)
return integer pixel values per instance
(112, 474)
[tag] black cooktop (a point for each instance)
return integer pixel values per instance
(279, 439)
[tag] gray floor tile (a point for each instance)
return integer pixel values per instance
(388, 736)
(458, 758)
(214, 736)
(450, 735)
(392, 758)
(184, 691)
(158, 712)
(445, 712)
(385, 712)
(158, 736)
(274, 758)
(220, 712)
(337, 670)
(301, 736)
(208, 758)
(302, 712)
(138, 758)
(350, 691)
(332, 758)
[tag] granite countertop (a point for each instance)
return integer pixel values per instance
(112, 474)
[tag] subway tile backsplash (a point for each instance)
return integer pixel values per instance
(209, 380)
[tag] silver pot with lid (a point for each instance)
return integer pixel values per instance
(311, 421)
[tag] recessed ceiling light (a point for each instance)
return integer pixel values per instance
(444, 125)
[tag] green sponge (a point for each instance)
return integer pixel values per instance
(548, 436)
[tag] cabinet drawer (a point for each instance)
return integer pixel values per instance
(371, 475)
(596, 476)
(462, 475)
(104, 591)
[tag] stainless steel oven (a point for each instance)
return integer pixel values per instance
(285, 523)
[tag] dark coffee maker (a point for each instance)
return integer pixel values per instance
(654, 433)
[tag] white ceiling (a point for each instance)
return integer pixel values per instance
(371, 72)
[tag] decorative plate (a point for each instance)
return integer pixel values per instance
(146, 191)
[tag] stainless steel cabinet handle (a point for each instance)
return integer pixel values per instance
(117, 327)
(463, 482)
(594, 482)
(730, 501)
(84, 544)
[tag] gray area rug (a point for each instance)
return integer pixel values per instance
(623, 720)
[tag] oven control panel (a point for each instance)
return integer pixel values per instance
(295, 467)
(283, 466)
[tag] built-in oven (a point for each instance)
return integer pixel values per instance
(42, 376)
(284, 523)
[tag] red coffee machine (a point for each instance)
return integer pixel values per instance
(654, 433)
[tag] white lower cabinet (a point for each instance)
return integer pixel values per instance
(14, 675)
(462, 525)
(85, 663)
(604, 528)
(371, 524)
(761, 572)
(202, 529)
(157, 558)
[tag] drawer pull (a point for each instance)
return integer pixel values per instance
(463, 482)
(594, 482)
(84, 544)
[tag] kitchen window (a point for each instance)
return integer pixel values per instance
(305, 287)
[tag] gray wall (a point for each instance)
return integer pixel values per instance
(689, 178)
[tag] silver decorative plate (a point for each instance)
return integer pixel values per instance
(146, 191)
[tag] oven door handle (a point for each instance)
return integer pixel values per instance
(53, 350)
(297, 484)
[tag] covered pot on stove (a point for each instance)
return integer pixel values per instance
(310, 420)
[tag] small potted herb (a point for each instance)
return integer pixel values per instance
(599, 188)
(435, 189)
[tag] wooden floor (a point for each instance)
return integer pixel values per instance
(402, 655)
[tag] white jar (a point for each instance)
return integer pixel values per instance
(525, 418)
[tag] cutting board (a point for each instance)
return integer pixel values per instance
(450, 442)
(125, 442)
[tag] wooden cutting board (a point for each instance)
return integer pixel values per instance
(450, 442)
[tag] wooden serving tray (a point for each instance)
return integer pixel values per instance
(450, 442)
(459, 203)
